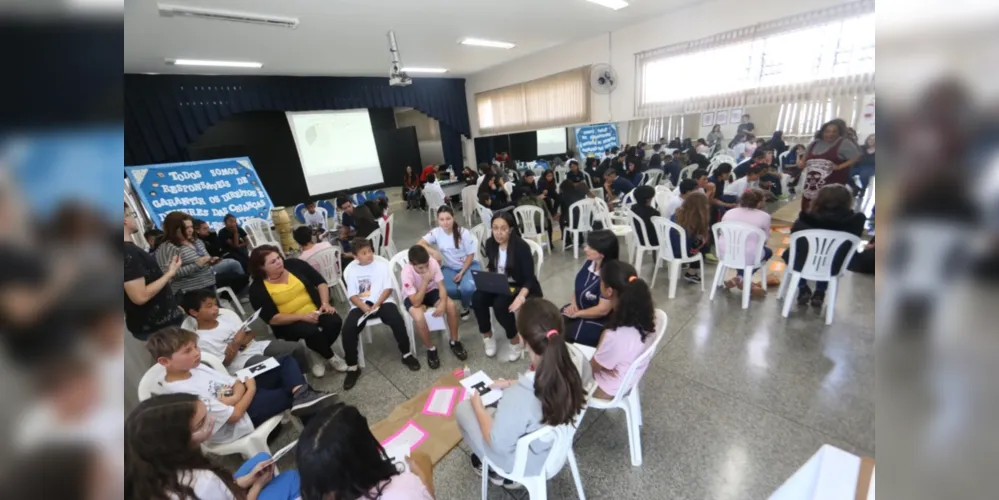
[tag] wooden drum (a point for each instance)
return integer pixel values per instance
(282, 224)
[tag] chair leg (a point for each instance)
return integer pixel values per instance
(655, 271)
(831, 300)
(575, 475)
(747, 284)
(783, 284)
(639, 257)
(791, 293)
(636, 403)
(255, 444)
(701, 259)
(674, 276)
(763, 277)
(537, 489)
(719, 276)
(485, 480)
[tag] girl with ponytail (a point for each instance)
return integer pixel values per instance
(550, 394)
(627, 331)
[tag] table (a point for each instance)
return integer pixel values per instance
(452, 188)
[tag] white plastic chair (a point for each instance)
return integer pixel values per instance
(580, 223)
(508, 187)
(434, 201)
(687, 172)
(327, 262)
(486, 214)
(734, 237)
(782, 159)
(539, 254)
(258, 232)
(639, 249)
(626, 202)
(480, 233)
(248, 445)
(469, 204)
(234, 299)
(528, 217)
(822, 248)
(661, 199)
(663, 227)
(589, 179)
(560, 174)
(373, 321)
(718, 160)
(629, 400)
(560, 452)
(388, 244)
(376, 238)
(652, 177)
(400, 260)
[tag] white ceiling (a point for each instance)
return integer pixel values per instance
(348, 37)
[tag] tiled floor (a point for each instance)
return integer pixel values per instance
(734, 402)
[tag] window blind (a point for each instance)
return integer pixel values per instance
(557, 100)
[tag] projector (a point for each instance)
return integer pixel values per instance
(399, 79)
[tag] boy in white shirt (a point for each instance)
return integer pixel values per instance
(432, 186)
(219, 335)
(237, 406)
(422, 282)
(369, 291)
(316, 219)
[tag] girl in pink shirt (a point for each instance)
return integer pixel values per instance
(749, 211)
(338, 457)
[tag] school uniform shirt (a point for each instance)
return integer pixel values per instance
(158, 312)
(454, 257)
(348, 220)
(587, 286)
(412, 280)
(518, 414)
(646, 213)
(739, 150)
(368, 282)
(207, 384)
(216, 340)
(738, 186)
(672, 205)
(405, 486)
(575, 176)
(622, 185)
(435, 187)
(618, 349)
(317, 219)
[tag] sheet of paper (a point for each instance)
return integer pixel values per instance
(480, 382)
(364, 317)
(408, 438)
(435, 323)
(254, 370)
(441, 401)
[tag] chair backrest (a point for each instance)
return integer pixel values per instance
(508, 187)
(661, 199)
(399, 260)
(560, 174)
(718, 160)
(528, 217)
(651, 177)
(629, 382)
(687, 171)
(628, 199)
(663, 228)
(732, 242)
(387, 226)
(538, 254)
(589, 179)
(327, 262)
(486, 214)
(782, 158)
(481, 234)
(376, 238)
(469, 202)
(258, 232)
(639, 226)
(823, 245)
(560, 438)
(602, 213)
(434, 199)
(581, 215)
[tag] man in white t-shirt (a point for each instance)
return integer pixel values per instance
(238, 406)
(739, 186)
(433, 186)
(219, 334)
(686, 187)
(315, 217)
(369, 291)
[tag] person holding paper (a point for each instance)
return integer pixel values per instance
(456, 254)
(422, 282)
(221, 333)
(369, 290)
(295, 300)
(339, 458)
(551, 394)
(507, 254)
(236, 407)
(629, 328)
(163, 457)
(589, 308)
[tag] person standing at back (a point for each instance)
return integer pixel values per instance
(828, 160)
(149, 303)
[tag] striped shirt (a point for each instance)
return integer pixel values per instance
(191, 275)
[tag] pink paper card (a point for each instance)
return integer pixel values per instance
(409, 437)
(441, 401)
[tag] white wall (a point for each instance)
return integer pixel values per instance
(618, 48)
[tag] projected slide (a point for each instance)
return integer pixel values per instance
(551, 141)
(337, 149)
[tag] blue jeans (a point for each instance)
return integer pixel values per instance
(767, 253)
(865, 172)
(284, 486)
(460, 291)
(228, 266)
(274, 390)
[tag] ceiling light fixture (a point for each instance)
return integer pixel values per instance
(221, 64)
(610, 4)
(407, 69)
(487, 43)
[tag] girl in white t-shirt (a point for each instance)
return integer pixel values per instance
(456, 253)
(163, 459)
(339, 458)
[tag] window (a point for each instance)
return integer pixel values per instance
(557, 100)
(780, 61)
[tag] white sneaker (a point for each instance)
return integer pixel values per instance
(318, 370)
(516, 351)
(490, 343)
(338, 363)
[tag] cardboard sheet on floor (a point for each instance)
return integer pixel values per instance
(442, 431)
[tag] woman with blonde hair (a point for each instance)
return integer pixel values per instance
(694, 216)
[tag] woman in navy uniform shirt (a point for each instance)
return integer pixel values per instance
(586, 314)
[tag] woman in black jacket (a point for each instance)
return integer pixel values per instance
(294, 300)
(508, 254)
(832, 209)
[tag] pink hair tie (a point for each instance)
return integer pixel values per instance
(551, 333)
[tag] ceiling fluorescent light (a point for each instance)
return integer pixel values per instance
(610, 4)
(424, 70)
(487, 43)
(221, 64)
(168, 10)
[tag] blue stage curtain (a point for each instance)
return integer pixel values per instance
(165, 113)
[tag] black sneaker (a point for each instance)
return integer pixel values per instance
(307, 401)
(493, 476)
(693, 278)
(459, 350)
(804, 295)
(433, 360)
(411, 362)
(817, 298)
(351, 380)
